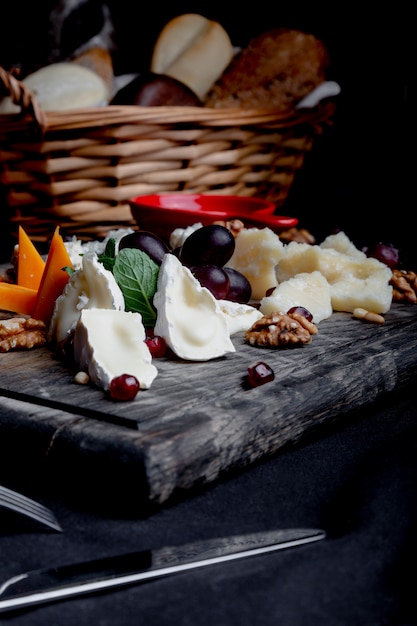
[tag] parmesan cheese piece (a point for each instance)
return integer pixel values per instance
(310, 290)
(355, 280)
(257, 252)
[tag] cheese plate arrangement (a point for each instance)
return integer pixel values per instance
(194, 420)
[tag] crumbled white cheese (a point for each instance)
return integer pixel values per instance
(77, 248)
(179, 235)
(109, 343)
(189, 317)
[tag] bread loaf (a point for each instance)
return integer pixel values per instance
(156, 90)
(276, 70)
(100, 61)
(62, 87)
(193, 50)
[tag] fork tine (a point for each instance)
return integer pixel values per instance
(27, 508)
(20, 499)
(30, 508)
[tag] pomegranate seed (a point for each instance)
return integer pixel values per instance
(157, 345)
(124, 387)
(260, 374)
(301, 311)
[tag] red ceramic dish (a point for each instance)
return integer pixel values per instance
(163, 213)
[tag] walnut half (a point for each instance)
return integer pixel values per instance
(21, 333)
(280, 329)
(404, 286)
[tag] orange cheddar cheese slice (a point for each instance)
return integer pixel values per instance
(30, 265)
(54, 278)
(17, 299)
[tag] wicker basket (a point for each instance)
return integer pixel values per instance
(79, 168)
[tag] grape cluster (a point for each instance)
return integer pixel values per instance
(206, 253)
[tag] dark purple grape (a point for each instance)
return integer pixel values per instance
(259, 374)
(214, 278)
(208, 245)
(240, 289)
(301, 310)
(143, 240)
(385, 252)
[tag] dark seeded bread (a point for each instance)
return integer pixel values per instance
(276, 70)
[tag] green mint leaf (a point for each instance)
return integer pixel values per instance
(137, 276)
(108, 257)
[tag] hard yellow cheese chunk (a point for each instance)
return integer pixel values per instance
(310, 290)
(355, 280)
(257, 252)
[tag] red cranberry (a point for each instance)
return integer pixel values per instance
(124, 387)
(260, 374)
(301, 310)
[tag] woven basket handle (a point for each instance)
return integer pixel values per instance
(22, 96)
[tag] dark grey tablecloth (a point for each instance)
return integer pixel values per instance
(357, 481)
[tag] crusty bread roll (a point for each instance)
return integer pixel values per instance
(276, 70)
(194, 50)
(156, 90)
(62, 87)
(100, 61)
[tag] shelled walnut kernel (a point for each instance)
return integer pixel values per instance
(280, 329)
(21, 333)
(404, 286)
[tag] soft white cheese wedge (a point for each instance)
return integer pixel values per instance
(310, 290)
(189, 318)
(355, 280)
(257, 252)
(109, 343)
(240, 317)
(91, 286)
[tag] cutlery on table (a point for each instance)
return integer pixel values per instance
(66, 581)
(18, 503)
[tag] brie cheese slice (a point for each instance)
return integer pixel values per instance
(91, 286)
(189, 317)
(240, 317)
(109, 343)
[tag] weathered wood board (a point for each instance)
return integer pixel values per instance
(198, 420)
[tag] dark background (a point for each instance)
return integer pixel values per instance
(358, 177)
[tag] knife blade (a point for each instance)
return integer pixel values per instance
(66, 581)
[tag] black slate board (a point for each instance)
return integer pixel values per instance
(198, 420)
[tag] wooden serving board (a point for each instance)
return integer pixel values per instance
(199, 420)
